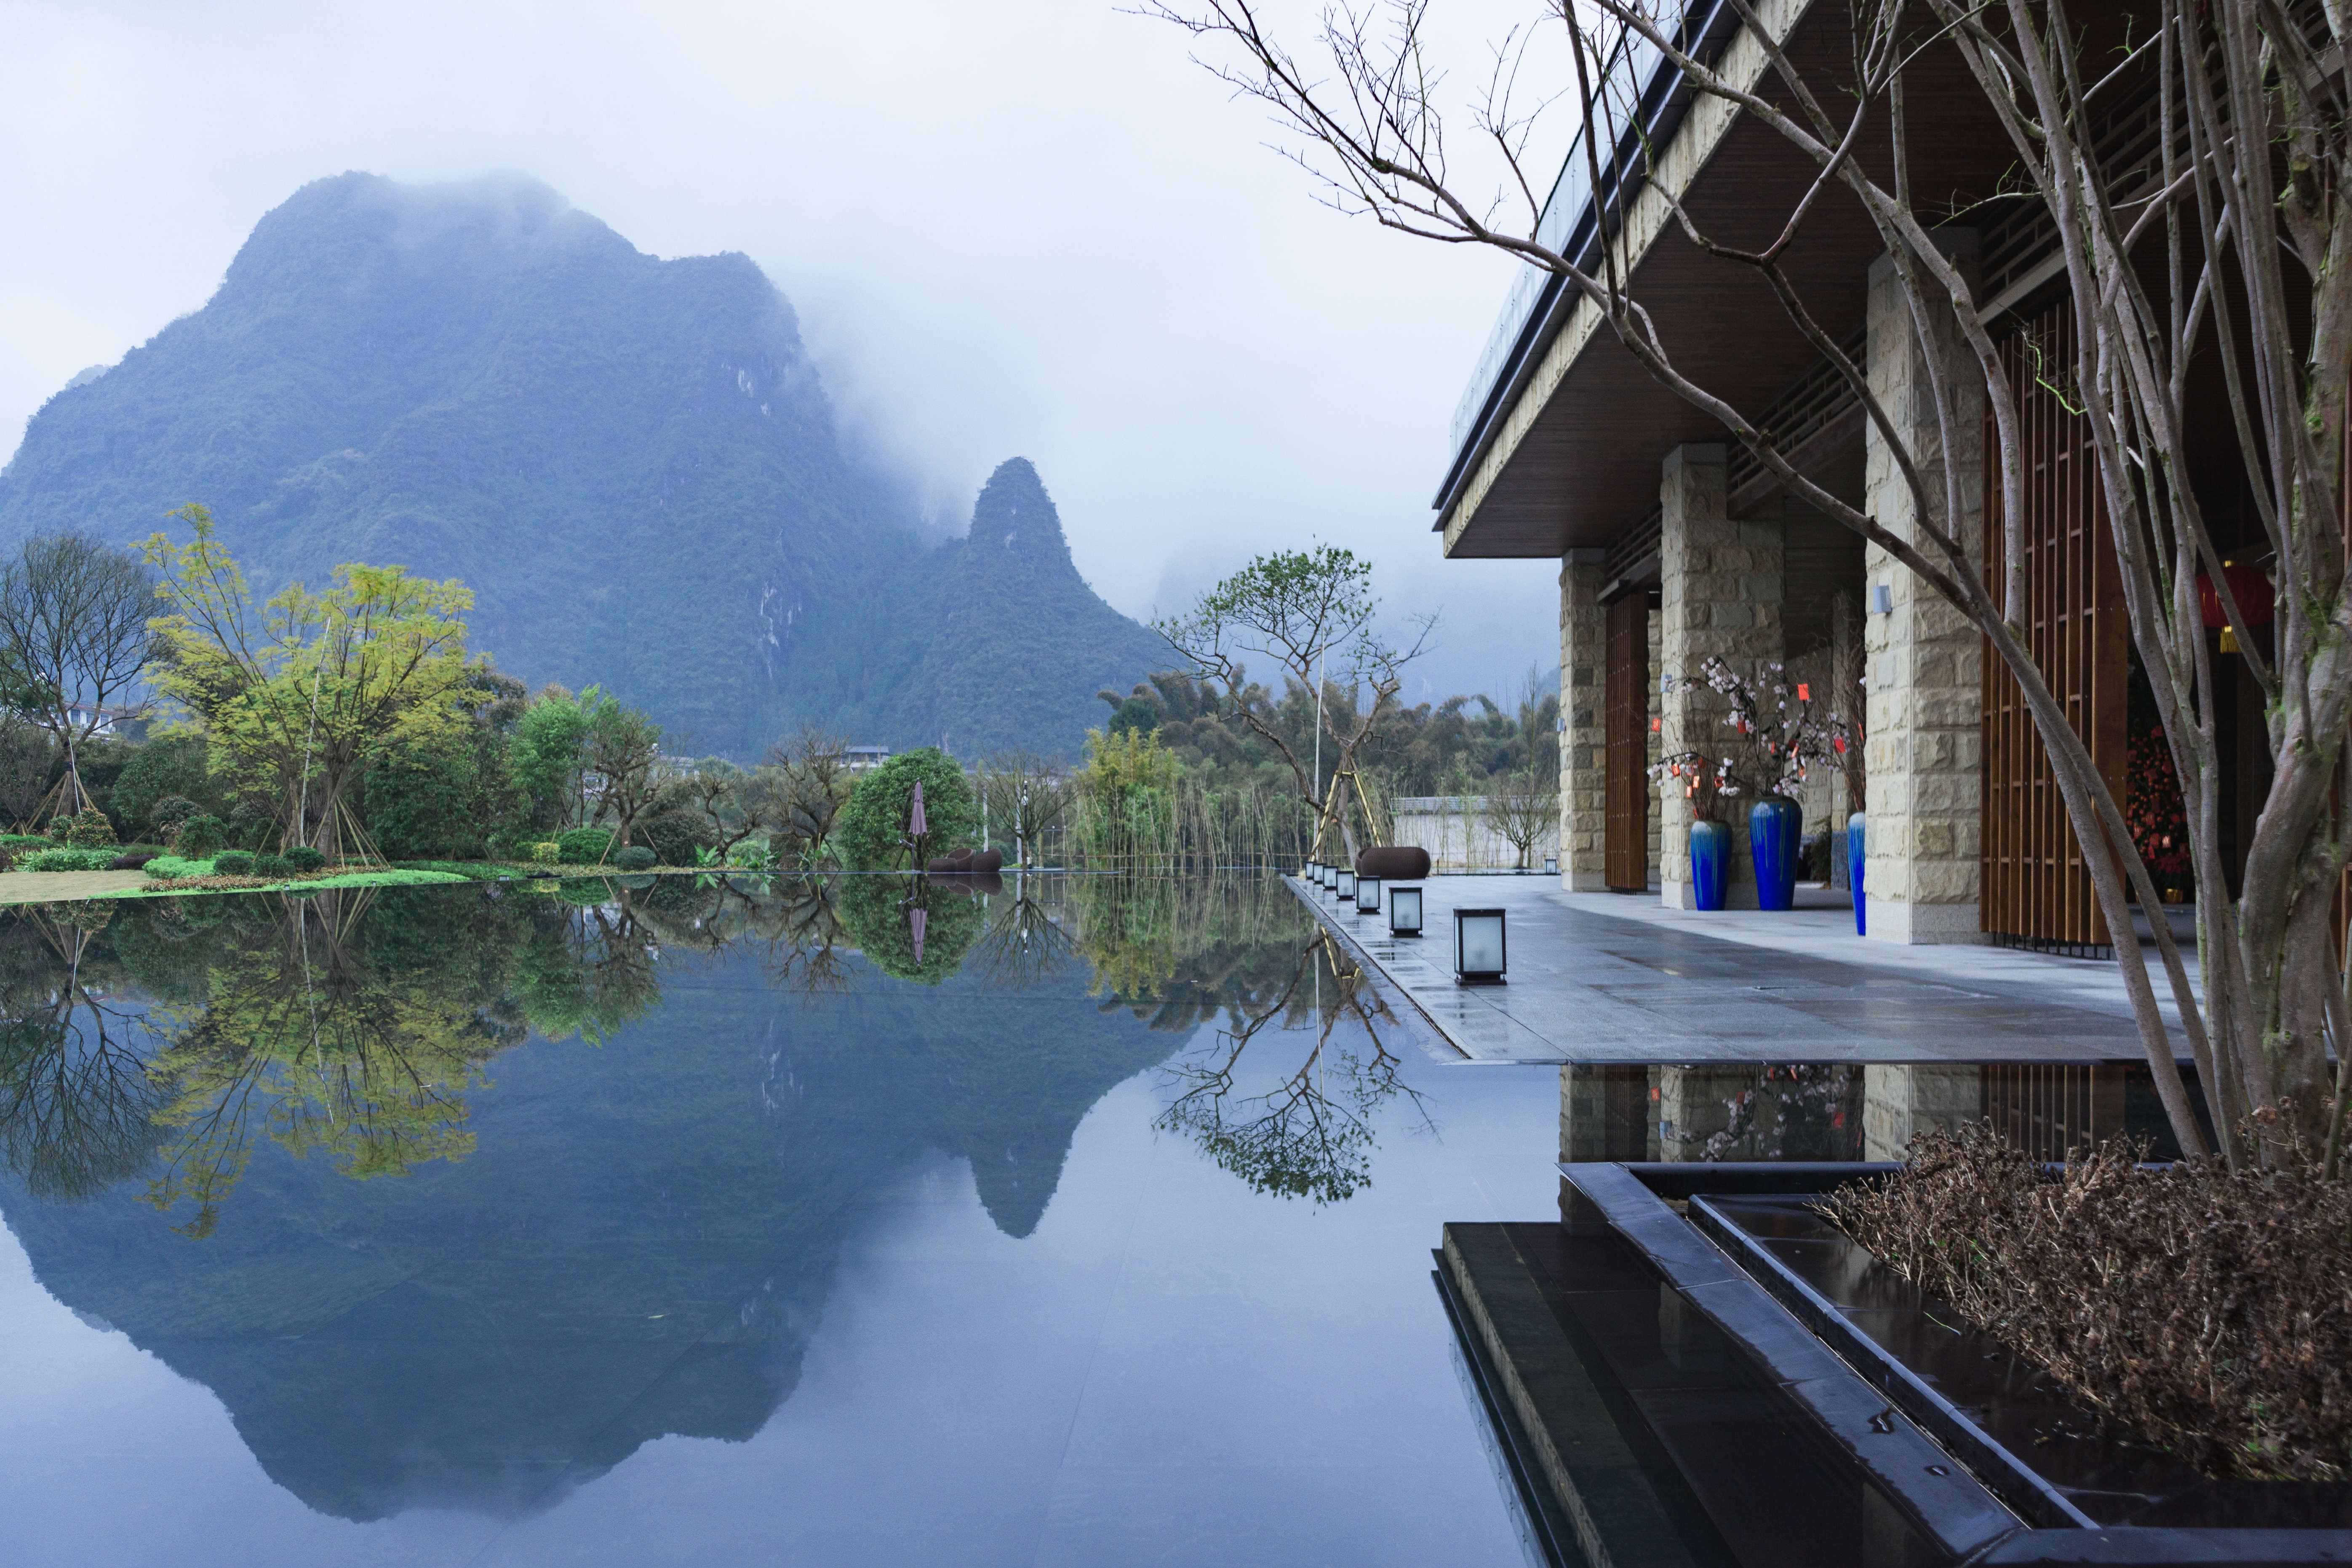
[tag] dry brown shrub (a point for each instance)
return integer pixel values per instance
(2208, 1314)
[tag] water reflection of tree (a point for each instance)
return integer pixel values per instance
(1312, 1134)
(76, 1103)
(305, 1040)
(1024, 939)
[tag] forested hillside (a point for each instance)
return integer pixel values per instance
(630, 460)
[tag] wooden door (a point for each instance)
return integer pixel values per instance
(1626, 779)
(2036, 892)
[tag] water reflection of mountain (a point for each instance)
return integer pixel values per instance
(639, 1242)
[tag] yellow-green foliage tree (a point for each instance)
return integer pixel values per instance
(298, 693)
(1125, 815)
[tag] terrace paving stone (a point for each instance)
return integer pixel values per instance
(1616, 978)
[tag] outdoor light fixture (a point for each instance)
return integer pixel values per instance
(1551, 865)
(1404, 912)
(1882, 598)
(1311, 872)
(1368, 895)
(1347, 886)
(1478, 946)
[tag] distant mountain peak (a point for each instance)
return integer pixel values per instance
(630, 460)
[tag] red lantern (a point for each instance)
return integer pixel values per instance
(2247, 585)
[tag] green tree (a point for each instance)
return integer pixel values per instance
(624, 760)
(166, 766)
(299, 694)
(549, 755)
(873, 829)
(1314, 614)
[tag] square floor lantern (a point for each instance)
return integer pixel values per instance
(1478, 946)
(1347, 886)
(1404, 912)
(1368, 895)
(1551, 865)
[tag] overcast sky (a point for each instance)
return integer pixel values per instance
(1032, 227)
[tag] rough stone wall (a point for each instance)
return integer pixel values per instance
(1926, 661)
(1898, 1103)
(1657, 747)
(1584, 739)
(1721, 595)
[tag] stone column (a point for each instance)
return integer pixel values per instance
(1898, 1103)
(1583, 737)
(1720, 586)
(1926, 668)
(1696, 1103)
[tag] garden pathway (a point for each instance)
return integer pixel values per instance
(57, 887)
(1601, 978)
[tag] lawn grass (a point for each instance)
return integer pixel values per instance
(183, 886)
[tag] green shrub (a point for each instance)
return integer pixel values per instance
(201, 837)
(233, 863)
(585, 845)
(90, 860)
(302, 858)
(546, 854)
(170, 768)
(873, 826)
(171, 867)
(89, 829)
(171, 811)
(24, 841)
(636, 858)
(675, 838)
(271, 866)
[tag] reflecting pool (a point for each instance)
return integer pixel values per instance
(1073, 1221)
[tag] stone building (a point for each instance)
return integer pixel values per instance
(1675, 544)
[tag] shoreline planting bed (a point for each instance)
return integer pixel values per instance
(2205, 1313)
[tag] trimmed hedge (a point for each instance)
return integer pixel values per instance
(302, 858)
(636, 858)
(201, 837)
(233, 863)
(271, 866)
(583, 845)
(71, 860)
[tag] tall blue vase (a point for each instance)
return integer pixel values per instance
(1710, 862)
(1857, 844)
(1772, 839)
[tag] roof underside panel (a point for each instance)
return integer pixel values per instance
(1587, 467)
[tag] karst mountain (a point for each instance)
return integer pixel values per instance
(632, 461)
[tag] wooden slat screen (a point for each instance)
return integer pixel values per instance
(2035, 890)
(1625, 774)
(2047, 1111)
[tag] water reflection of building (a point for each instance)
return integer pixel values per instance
(1747, 1112)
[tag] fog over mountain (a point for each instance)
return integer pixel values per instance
(631, 461)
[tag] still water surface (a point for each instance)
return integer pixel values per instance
(729, 1224)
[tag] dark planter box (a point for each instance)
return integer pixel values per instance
(1980, 1455)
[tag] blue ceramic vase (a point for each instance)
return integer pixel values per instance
(1772, 836)
(1857, 841)
(1711, 863)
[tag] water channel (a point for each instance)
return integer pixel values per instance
(721, 1221)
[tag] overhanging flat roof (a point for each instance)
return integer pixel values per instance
(1562, 445)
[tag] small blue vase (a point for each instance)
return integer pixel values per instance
(1710, 862)
(1772, 836)
(1857, 841)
